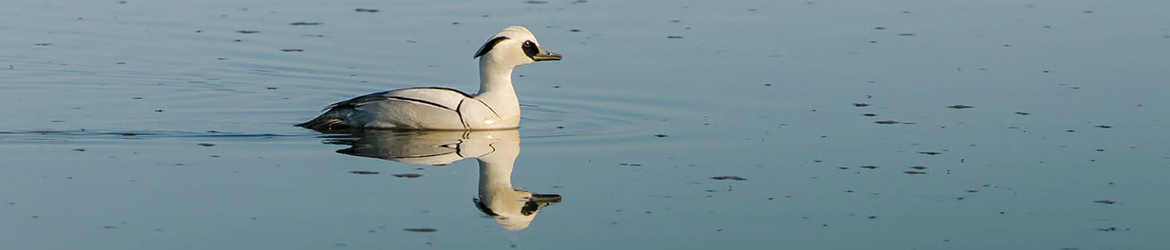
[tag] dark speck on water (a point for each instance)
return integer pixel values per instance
(408, 175)
(886, 122)
(574, 30)
(869, 167)
(674, 37)
(960, 106)
(206, 144)
(79, 149)
(861, 105)
(914, 172)
(366, 10)
(304, 23)
(363, 172)
(728, 177)
(1108, 202)
(1104, 126)
(660, 135)
(292, 50)
(421, 230)
(44, 44)
(248, 31)
(906, 34)
(1023, 113)
(929, 153)
(918, 167)
(869, 114)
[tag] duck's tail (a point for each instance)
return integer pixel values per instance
(332, 119)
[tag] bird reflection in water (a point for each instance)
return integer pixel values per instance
(496, 151)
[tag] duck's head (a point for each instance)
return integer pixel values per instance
(514, 46)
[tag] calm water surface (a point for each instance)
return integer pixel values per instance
(669, 125)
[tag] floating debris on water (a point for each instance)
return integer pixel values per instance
(674, 37)
(914, 172)
(247, 31)
(421, 230)
(886, 122)
(660, 135)
(292, 50)
(408, 175)
(869, 167)
(728, 177)
(960, 106)
(918, 167)
(1104, 126)
(630, 164)
(79, 149)
(861, 105)
(906, 34)
(1023, 113)
(366, 10)
(304, 23)
(929, 153)
(363, 172)
(206, 144)
(1107, 202)
(869, 114)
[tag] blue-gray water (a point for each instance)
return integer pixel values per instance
(168, 124)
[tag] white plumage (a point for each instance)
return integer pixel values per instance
(495, 106)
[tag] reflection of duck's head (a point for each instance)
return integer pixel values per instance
(496, 151)
(514, 209)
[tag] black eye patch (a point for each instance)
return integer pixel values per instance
(529, 208)
(530, 49)
(488, 46)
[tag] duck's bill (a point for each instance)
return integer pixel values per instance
(545, 55)
(549, 198)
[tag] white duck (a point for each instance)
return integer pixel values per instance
(436, 108)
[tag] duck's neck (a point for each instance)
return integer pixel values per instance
(495, 89)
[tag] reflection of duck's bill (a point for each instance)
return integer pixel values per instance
(546, 198)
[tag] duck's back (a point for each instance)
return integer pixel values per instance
(412, 108)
